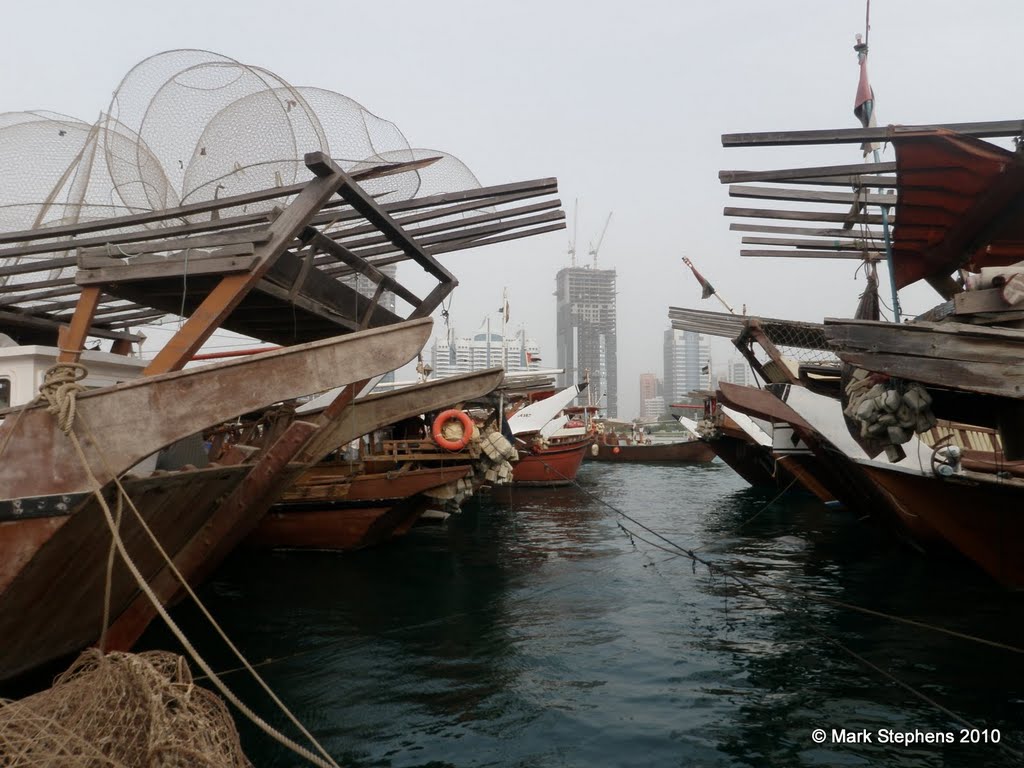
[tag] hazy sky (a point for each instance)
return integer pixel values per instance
(623, 103)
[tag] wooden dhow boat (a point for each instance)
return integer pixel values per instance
(352, 502)
(955, 207)
(270, 265)
(551, 445)
(625, 442)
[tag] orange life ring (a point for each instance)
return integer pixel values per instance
(443, 418)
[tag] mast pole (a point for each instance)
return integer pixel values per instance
(862, 54)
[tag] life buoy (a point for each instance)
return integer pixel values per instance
(443, 418)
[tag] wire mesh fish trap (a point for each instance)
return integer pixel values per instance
(121, 709)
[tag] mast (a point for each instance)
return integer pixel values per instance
(864, 108)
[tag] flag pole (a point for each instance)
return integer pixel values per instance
(867, 118)
(708, 290)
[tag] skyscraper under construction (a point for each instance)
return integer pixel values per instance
(585, 305)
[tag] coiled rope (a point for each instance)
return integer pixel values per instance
(60, 390)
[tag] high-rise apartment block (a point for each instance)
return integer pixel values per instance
(687, 364)
(585, 332)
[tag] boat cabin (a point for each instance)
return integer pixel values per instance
(22, 368)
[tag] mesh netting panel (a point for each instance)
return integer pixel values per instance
(37, 152)
(804, 343)
(120, 710)
(188, 126)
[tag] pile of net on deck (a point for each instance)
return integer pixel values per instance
(118, 710)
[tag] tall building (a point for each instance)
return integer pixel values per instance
(653, 409)
(740, 373)
(650, 389)
(687, 364)
(585, 332)
(451, 356)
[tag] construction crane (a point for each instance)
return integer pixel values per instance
(595, 248)
(572, 243)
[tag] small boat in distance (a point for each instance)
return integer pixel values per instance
(614, 443)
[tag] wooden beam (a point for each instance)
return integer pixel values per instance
(360, 265)
(826, 216)
(855, 245)
(230, 291)
(803, 195)
(989, 129)
(202, 242)
(205, 206)
(853, 182)
(812, 255)
(161, 269)
(371, 210)
(988, 300)
(848, 234)
(784, 174)
(53, 325)
(72, 342)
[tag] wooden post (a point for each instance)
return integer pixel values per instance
(230, 291)
(72, 341)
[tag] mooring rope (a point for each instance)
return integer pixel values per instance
(60, 390)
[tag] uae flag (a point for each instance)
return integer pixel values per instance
(864, 103)
(707, 290)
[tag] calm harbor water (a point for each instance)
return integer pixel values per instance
(532, 630)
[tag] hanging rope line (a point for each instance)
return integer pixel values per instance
(750, 586)
(60, 391)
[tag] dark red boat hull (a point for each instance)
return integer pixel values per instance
(554, 465)
(694, 451)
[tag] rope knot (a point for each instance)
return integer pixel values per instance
(60, 388)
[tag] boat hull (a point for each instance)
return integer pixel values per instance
(353, 513)
(52, 606)
(979, 518)
(554, 465)
(690, 452)
(753, 462)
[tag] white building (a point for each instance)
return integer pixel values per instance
(653, 408)
(739, 373)
(451, 356)
(687, 364)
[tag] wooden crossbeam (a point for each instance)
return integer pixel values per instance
(834, 245)
(868, 255)
(849, 234)
(784, 174)
(853, 182)
(988, 129)
(825, 216)
(806, 196)
(193, 209)
(230, 291)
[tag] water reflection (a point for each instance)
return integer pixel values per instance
(533, 630)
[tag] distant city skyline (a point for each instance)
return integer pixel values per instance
(451, 355)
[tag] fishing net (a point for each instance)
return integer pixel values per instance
(117, 710)
(190, 126)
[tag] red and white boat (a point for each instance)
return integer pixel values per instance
(551, 441)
